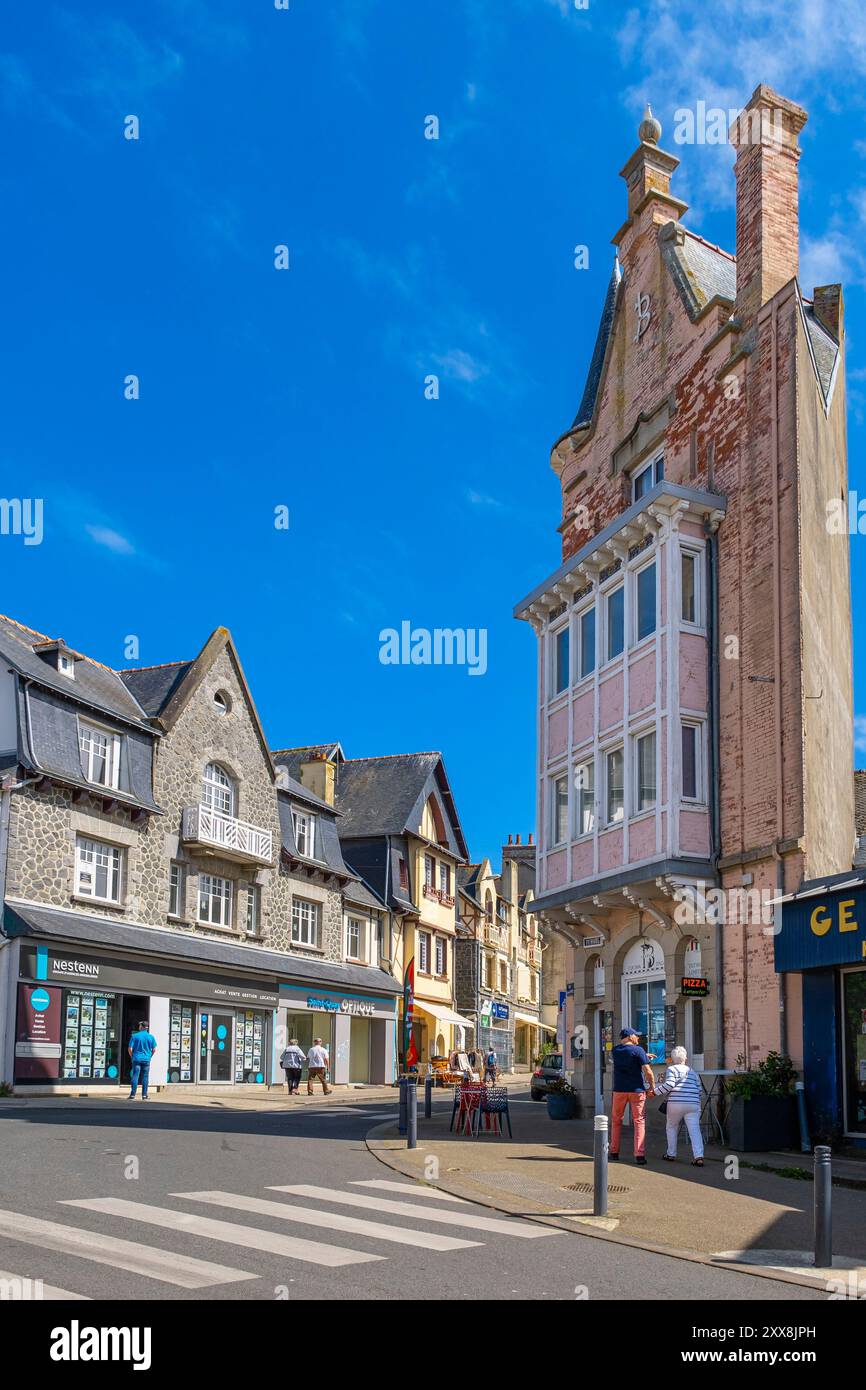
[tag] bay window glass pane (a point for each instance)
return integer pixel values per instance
(690, 761)
(560, 810)
(646, 772)
(615, 798)
(615, 622)
(587, 642)
(689, 595)
(560, 660)
(646, 602)
(584, 785)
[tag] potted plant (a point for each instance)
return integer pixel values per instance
(762, 1108)
(563, 1101)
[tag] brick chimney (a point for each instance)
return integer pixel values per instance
(765, 138)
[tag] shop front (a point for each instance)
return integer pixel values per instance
(823, 936)
(358, 1029)
(496, 1032)
(76, 1009)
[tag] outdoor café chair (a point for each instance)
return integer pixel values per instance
(494, 1107)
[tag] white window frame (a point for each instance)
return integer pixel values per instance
(306, 923)
(635, 577)
(608, 595)
(429, 871)
(579, 673)
(356, 926)
(503, 967)
(175, 889)
(607, 753)
(444, 879)
(215, 900)
(586, 764)
(554, 635)
(441, 958)
(696, 554)
(88, 757)
(554, 842)
(304, 829)
(254, 910)
(424, 952)
(88, 853)
(656, 467)
(217, 789)
(637, 739)
(699, 725)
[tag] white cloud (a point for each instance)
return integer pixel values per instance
(460, 366)
(860, 733)
(482, 499)
(112, 540)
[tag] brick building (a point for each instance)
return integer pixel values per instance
(694, 645)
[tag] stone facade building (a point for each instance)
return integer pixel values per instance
(694, 645)
(157, 862)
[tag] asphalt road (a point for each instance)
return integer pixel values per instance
(180, 1202)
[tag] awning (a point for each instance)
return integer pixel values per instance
(442, 1013)
(530, 1018)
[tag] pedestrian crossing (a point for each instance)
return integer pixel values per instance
(380, 1216)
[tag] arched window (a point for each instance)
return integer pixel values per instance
(218, 791)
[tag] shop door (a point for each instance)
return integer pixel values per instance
(646, 1013)
(854, 1023)
(216, 1047)
(135, 1009)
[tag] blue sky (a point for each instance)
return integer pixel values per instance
(305, 388)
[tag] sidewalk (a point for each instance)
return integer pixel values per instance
(724, 1213)
(224, 1098)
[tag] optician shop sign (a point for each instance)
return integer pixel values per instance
(302, 998)
(823, 931)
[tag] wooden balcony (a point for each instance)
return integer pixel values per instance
(209, 832)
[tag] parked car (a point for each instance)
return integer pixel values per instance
(549, 1067)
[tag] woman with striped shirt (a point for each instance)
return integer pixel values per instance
(682, 1090)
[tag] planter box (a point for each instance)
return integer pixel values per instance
(561, 1107)
(764, 1122)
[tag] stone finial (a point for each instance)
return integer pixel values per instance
(649, 130)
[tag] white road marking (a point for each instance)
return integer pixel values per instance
(407, 1188)
(523, 1230)
(45, 1291)
(166, 1265)
(249, 1237)
(334, 1221)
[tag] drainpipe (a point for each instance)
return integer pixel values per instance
(777, 657)
(713, 679)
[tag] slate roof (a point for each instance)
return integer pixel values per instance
(153, 686)
(292, 758)
(94, 684)
(596, 365)
(860, 803)
(356, 891)
(824, 347)
(384, 796)
(329, 854)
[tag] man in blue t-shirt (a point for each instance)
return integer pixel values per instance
(632, 1078)
(142, 1046)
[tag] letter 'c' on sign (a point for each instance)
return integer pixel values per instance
(822, 926)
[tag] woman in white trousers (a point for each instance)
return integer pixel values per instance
(681, 1089)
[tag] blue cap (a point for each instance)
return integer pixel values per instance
(627, 1032)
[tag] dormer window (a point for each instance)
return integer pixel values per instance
(57, 654)
(218, 791)
(100, 755)
(305, 833)
(65, 665)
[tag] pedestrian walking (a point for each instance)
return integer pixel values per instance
(681, 1087)
(490, 1066)
(142, 1046)
(633, 1079)
(292, 1061)
(317, 1066)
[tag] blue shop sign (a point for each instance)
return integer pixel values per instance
(500, 1010)
(823, 930)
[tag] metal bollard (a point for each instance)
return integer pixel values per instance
(599, 1166)
(428, 1097)
(412, 1135)
(823, 1207)
(404, 1103)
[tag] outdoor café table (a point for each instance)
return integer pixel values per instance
(712, 1093)
(470, 1100)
